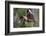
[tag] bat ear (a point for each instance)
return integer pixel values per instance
(30, 9)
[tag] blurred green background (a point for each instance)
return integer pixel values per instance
(20, 11)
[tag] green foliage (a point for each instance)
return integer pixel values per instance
(21, 12)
